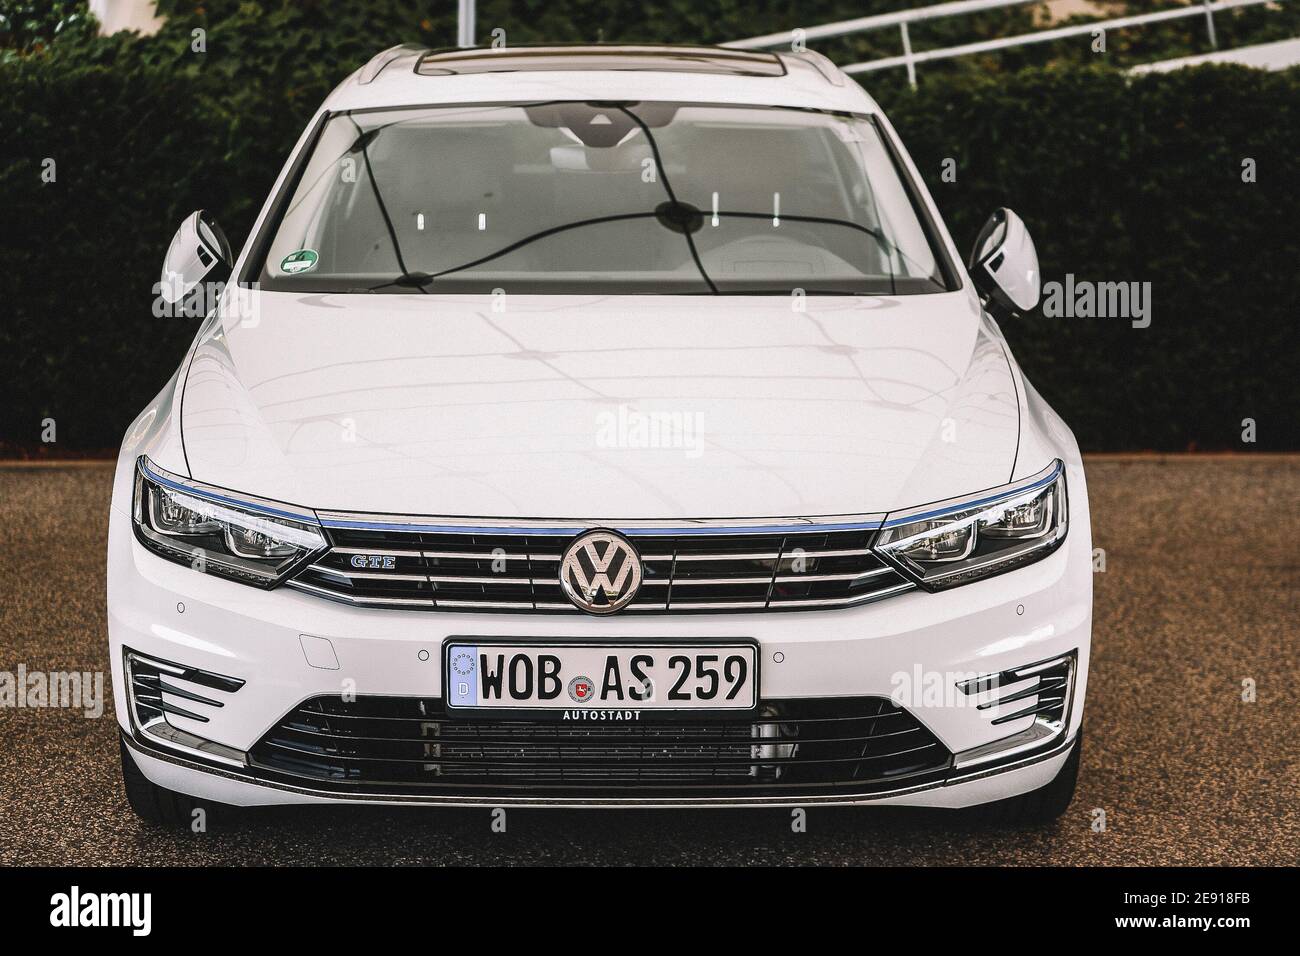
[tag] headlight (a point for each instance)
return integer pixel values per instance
(959, 541)
(247, 539)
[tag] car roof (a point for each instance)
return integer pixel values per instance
(411, 76)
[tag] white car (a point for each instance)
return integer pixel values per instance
(600, 426)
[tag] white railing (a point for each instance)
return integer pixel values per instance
(910, 58)
(879, 21)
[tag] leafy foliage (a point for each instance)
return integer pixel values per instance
(30, 28)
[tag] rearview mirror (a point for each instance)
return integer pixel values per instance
(1004, 264)
(630, 157)
(199, 253)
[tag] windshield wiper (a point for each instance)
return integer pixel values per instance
(411, 280)
(667, 214)
(422, 280)
(677, 206)
(363, 141)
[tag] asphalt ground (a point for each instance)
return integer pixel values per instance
(1199, 594)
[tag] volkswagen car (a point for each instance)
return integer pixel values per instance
(599, 427)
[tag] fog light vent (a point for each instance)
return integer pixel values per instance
(157, 689)
(1042, 691)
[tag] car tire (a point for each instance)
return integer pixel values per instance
(1040, 806)
(158, 805)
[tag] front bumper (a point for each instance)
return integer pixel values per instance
(917, 648)
(229, 786)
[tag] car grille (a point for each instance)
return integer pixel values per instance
(402, 744)
(681, 572)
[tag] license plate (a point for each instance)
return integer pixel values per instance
(483, 675)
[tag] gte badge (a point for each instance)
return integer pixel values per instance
(374, 562)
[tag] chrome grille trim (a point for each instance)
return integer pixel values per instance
(780, 579)
(395, 553)
(760, 556)
(356, 598)
(757, 556)
(478, 555)
(569, 527)
(852, 576)
(501, 579)
(467, 568)
(696, 582)
(368, 575)
(494, 605)
(640, 606)
(845, 602)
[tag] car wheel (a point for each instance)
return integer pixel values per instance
(158, 805)
(1037, 806)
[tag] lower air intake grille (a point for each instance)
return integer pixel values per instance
(410, 745)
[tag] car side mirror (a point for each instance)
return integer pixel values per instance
(199, 254)
(1004, 264)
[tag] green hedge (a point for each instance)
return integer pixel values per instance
(80, 255)
(1118, 180)
(1140, 179)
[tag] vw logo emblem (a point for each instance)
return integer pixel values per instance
(600, 572)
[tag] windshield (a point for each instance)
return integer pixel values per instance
(573, 197)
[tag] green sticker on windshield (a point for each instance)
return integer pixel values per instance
(304, 260)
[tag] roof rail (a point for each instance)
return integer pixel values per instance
(376, 64)
(822, 64)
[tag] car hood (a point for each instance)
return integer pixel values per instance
(601, 407)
